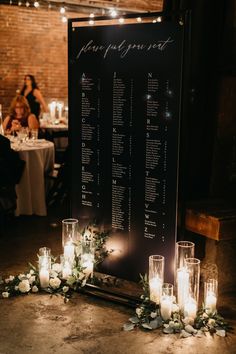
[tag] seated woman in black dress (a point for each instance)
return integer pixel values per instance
(20, 116)
(33, 95)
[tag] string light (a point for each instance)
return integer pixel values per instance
(19, 3)
(27, 4)
(139, 19)
(121, 20)
(64, 19)
(91, 15)
(113, 13)
(62, 10)
(36, 4)
(159, 19)
(91, 22)
(10, 2)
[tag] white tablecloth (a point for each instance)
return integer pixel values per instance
(31, 191)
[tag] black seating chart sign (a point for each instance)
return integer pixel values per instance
(124, 114)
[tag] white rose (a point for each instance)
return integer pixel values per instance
(65, 289)
(11, 277)
(5, 294)
(35, 289)
(31, 271)
(55, 283)
(32, 279)
(24, 286)
(56, 267)
(138, 312)
(16, 288)
(28, 275)
(153, 314)
(53, 274)
(21, 276)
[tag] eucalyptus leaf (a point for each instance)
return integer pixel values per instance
(134, 319)
(146, 326)
(168, 330)
(128, 326)
(185, 334)
(220, 332)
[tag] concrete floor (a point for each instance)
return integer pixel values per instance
(43, 324)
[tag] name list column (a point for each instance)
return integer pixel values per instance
(90, 116)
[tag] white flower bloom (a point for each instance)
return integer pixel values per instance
(28, 275)
(24, 286)
(32, 279)
(56, 267)
(21, 276)
(138, 311)
(11, 277)
(35, 289)
(65, 289)
(53, 274)
(16, 288)
(211, 322)
(31, 271)
(153, 314)
(5, 294)
(55, 283)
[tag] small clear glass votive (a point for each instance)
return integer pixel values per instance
(210, 295)
(44, 270)
(156, 277)
(191, 305)
(66, 268)
(166, 302)
(87, 256)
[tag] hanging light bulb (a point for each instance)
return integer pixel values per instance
(91, 15)
(49, 5)
(27, 4)
(19, 3)
(10, 2)
(154, 21)
(139, 19)
(62, 10)
(64, 19)
(91, 22)
(159, 19)
(36, 4)
(121, 20)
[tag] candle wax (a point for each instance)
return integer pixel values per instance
(44, 278)
(155, 285)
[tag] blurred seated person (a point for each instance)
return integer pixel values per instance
(33, 95)
(11, 167)
(19, 116)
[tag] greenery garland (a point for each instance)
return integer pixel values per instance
(147, 317)
(29, 281)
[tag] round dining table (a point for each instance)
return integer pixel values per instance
(31, 190)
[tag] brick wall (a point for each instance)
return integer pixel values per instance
(32, 41)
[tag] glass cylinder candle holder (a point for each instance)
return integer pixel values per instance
(184, 249)
(45, 251)
(156, 277)
(87, 257)
(191, 304)
(44, 270)
(166, 301)
(69, 237)
(210, 295)
(66, 267)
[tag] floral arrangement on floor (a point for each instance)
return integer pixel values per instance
(148, 317)
(29, 282)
